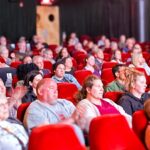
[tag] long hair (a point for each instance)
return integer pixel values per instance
(88, 83)
(131, 77)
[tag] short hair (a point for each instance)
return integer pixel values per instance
(57, 64)
(116, 68)
(23, 69)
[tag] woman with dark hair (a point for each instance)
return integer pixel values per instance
(92, 104)
(31, 80)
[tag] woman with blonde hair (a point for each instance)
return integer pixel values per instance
(133, 99)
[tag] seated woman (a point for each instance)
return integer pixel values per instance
(90, 65)
(116, 57)
(31, 81)
(135, 96)
(139, 62)
(12, 135)
(69, 68)
(147, 131)
(93, 104)
(60, 75)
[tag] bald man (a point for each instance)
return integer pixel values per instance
(48, 109)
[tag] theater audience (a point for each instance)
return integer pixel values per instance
(30, 82)
(48, 109)
(119, 83)
(133, 99)
(92, 104)
(12, 135)
(60, 76)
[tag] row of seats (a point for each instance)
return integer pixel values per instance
(108, 132)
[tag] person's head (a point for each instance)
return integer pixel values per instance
(38, 60)
(117, 55)
(119, 71)
(147, 108)
(47, 91)
(4, 108)
(122, 38)
(2, 87)
(90, 60)
(99, 54)
(63, 53)
(24, 69)
(3, 41)
(47, 54)
(92, 88)
(4, 52)
(137, 59)
(68, 62)
(114, 46)
(32, 79)
(59, 69)
(27, 60)
(136, 49)
(135, 81)
(107, 43)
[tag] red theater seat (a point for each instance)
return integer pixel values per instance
(139, 123)
(80, 75)
(107, 76)
(67, 91)
(15, 64)
(54, 137)
(112, 132)
(108, 65)
(115, 96)
(21, 111)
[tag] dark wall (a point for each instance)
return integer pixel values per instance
(16, 21)
(96, 17)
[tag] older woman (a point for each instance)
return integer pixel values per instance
(93, 104)
(135, 96)
(12, 135)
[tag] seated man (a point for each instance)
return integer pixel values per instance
(38, 60)
(60, 76)
(119, 82)
(48, 109)
(12, 135)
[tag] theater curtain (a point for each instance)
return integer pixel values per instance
(16, 21)
(96, 17)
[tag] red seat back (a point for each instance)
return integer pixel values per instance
(115, 96)
(107, 76)
(67, 91)
(112, 132)
(80, 75)
(21, 111)
(54, 137)
(15, 64)
(139, 123)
